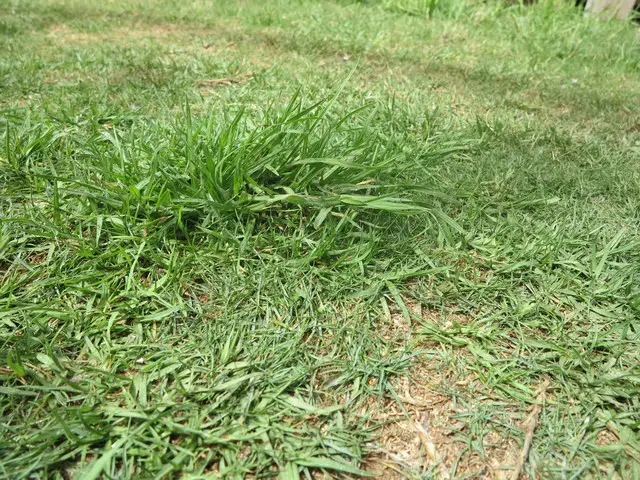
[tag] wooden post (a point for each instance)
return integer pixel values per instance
(610, 8)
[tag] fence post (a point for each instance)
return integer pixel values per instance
(610, 8)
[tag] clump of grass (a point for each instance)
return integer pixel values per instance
(200, 169)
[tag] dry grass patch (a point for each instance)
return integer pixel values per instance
(427, 430)
(434, 425)
(64, 35)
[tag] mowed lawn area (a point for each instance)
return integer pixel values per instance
(304, 239)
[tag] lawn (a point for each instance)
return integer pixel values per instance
(306, 239)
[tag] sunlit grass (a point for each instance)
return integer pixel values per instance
(225, 236)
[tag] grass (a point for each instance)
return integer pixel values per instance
(237, 239)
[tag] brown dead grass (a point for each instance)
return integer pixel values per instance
(605, 438)
(401, 454)
(210, 83)
(402, 450)
(63, 35)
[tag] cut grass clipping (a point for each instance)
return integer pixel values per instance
(174, 296)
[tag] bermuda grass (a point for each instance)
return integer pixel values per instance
(229, 232)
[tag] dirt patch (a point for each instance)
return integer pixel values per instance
(447, 321)
(435, 425)
(605, 438)
(425, 431)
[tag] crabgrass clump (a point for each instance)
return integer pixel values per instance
(198, 170)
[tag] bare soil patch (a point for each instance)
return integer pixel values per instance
(427, 430)
(403, 450)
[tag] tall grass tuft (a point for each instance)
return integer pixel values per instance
(198, 170)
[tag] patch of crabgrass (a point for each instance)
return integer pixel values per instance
(196, 264)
